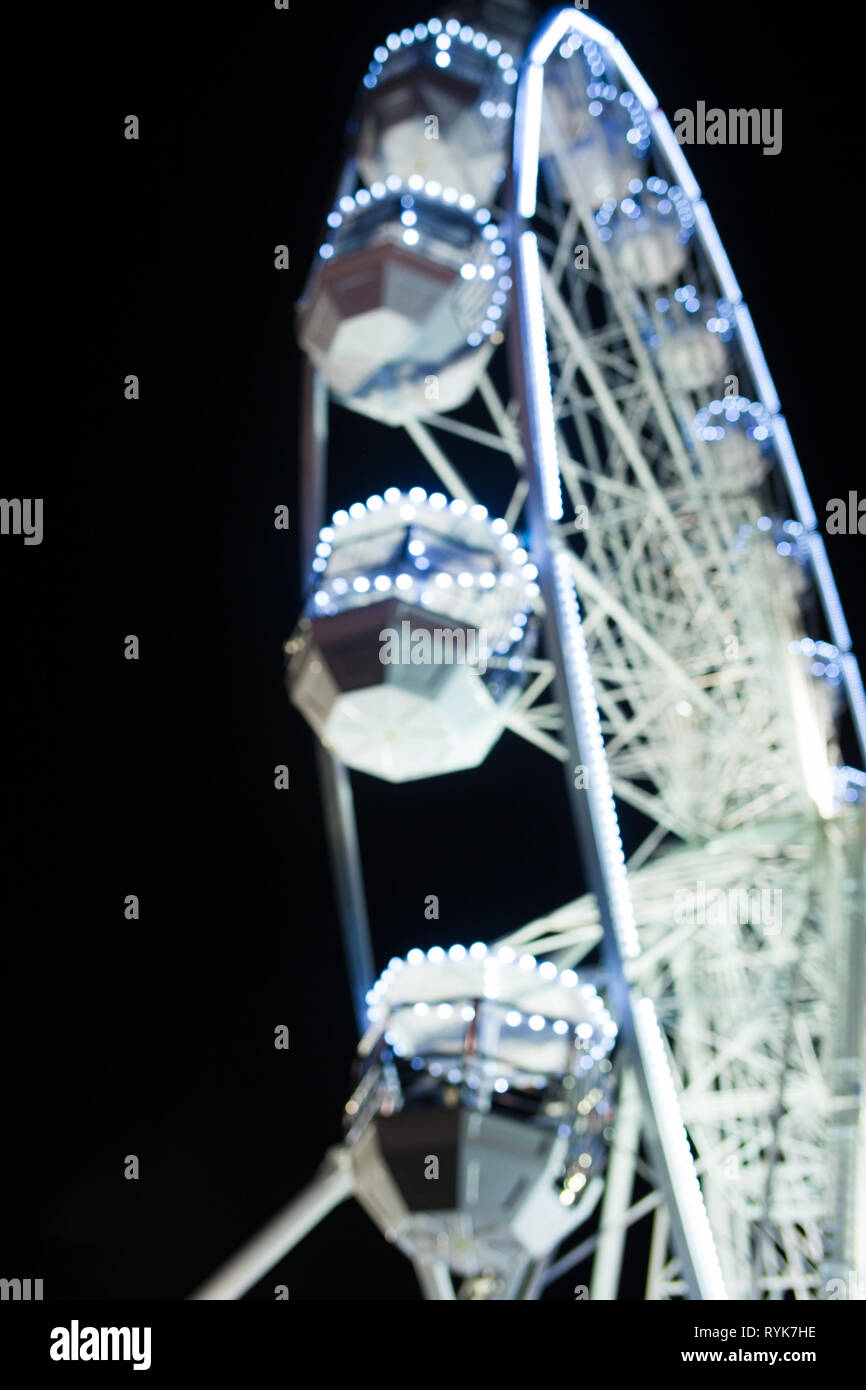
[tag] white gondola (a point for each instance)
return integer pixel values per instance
(412, 645)
(647, 232)
(492, 1062)
(736, 432)
(689, 335)
(600, 127)
(407, 299)
(438, 101)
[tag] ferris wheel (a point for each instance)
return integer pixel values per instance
(519, 274)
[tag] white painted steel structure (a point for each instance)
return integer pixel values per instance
(683, 677)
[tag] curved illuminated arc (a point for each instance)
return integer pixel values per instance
(527, 137)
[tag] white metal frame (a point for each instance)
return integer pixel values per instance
(743, 1048)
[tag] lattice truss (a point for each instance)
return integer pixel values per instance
(715, 732)
(751, 1009)
(688, 624)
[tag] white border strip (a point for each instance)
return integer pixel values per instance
(793, 473)
(757, 361)
(542, 404)
(712, 244)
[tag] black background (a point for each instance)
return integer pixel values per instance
(156, 777)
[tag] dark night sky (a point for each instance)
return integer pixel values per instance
(156, 777)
